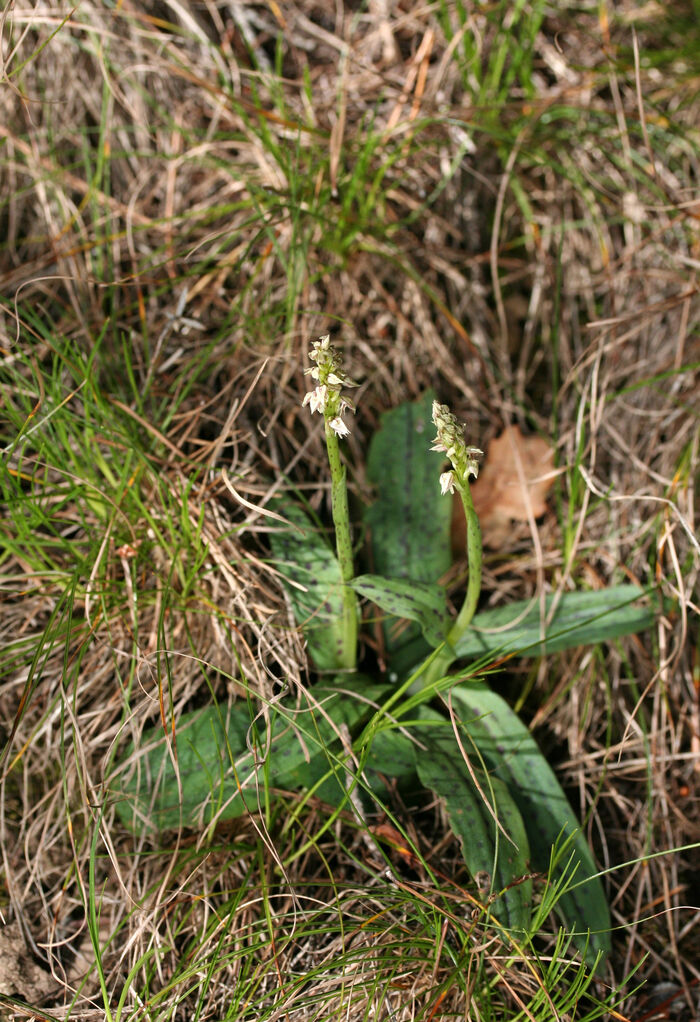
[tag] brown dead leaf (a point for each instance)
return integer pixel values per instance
(499, 494)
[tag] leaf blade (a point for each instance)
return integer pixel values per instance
(314, 584)
(484, 847)
(409, 521)
(579, 618)
(422, 602)
(221, 760)
(512, 753)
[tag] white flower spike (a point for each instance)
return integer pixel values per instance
(326, 397)
(450, 441)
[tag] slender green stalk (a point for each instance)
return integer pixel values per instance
(450, 441)
(343, 541)
(471, 599)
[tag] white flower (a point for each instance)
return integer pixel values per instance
(447, 482)
(338, 426)
(317, 399)
(472, 465)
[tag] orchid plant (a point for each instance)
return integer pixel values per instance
(416, 722)
(328, 399)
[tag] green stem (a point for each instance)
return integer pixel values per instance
(466, 614)
(343, 544)
(441, 664)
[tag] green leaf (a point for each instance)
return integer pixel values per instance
(510, 751)
(222, 761)
(485, 847)
(579, 619)
(410, 520)
(422, 602)
(313, 581)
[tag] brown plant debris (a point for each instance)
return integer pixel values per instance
(20, 975)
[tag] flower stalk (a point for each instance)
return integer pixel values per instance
(450, 441)
(327, 399)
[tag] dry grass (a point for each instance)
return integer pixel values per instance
(190, 218)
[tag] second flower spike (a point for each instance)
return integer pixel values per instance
(450, 441)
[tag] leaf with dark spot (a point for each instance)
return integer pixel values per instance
(314, 585)
(225, 757)
(422, 602)
(410, 520)
(510, 751)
